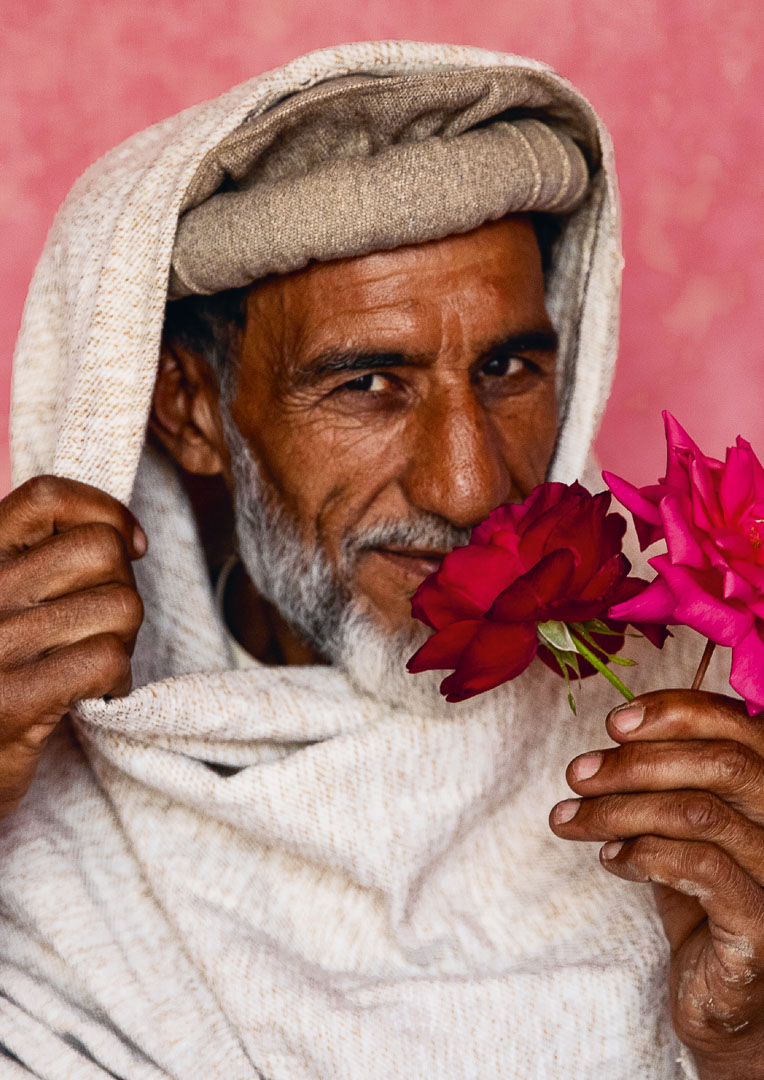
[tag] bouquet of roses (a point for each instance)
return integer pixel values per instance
(547, 577)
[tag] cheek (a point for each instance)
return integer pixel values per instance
(328, 473)
(528, 434)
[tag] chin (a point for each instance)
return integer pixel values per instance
(373, 654)
(390, 615)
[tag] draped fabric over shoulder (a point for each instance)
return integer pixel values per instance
(362, 891)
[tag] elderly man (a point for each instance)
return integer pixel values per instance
(390, 280)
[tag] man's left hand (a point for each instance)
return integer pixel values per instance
(681, 802)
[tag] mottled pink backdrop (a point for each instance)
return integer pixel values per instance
(679, 83)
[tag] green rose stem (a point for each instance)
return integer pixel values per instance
(705, 660)
(595, 661)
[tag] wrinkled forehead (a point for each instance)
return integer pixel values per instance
(363, 164)
(396, 294)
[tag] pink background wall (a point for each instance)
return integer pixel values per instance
(679, 83)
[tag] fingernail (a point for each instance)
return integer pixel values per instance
(140, 540)
(628, 719)
(587, 765)
(611, 849)
(565, 811)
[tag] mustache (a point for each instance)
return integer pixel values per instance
(422, 531)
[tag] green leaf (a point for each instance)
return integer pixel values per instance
(556, 635)
(597, 626)
(622, 660)
(579, 628)
(573, 661)
(567, 660)
(597, 662)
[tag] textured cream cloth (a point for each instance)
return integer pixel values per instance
(362, 892)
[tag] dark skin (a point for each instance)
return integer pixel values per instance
(420, 379)
(681, 803)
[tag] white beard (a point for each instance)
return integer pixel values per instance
(315, 598)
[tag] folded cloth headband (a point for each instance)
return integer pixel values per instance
(365, 164)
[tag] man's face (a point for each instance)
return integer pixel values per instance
(393, 400)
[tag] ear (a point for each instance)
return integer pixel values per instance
(185, 414)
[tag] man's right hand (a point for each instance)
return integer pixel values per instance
(69, 613)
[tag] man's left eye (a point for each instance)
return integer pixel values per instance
(367, 383)
(503, 365)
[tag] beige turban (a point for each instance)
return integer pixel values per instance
(361, 164)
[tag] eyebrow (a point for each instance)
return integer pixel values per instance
(333, 360)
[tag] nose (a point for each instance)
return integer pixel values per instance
(455, 466)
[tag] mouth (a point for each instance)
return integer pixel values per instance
(414, 563)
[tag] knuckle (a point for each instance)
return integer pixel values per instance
(14, 694)
(735, 765)
(44, 490)
(700, 811)
(129, 606)
(102, 544)
(712, 866)
(644, 848)
(109, 656)
(605, 810)
(20, 629)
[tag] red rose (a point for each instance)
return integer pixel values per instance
(555, 557)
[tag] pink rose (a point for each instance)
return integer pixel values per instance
(711, 515)
(555, 557)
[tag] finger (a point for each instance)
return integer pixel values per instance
(36, 696)
(716, 976)
(734, 904)
(46, 505)
(676, 815)
(686, 714)
(107, 609)
(80, 558)
(730, 770)
(679, 914)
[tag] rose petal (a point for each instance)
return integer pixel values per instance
(508, 518)
(632, 498)
(656, 633)
(466, 584)
(699, 607)
(444, 648)
(705, 501)
(627, 589)
(606, 578)
(530, 595)
(581, 532)
(571, 522)
(752, 573)
(736, 587)
(681, 451)
(757, 468)
(736, 490)
(498, 653)
(535, 536)
(729, 545)
(576, 610)
(503, 520)
(613, 531)
(655, 604)
(605, 591)
(683, 545)
(747, 675)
